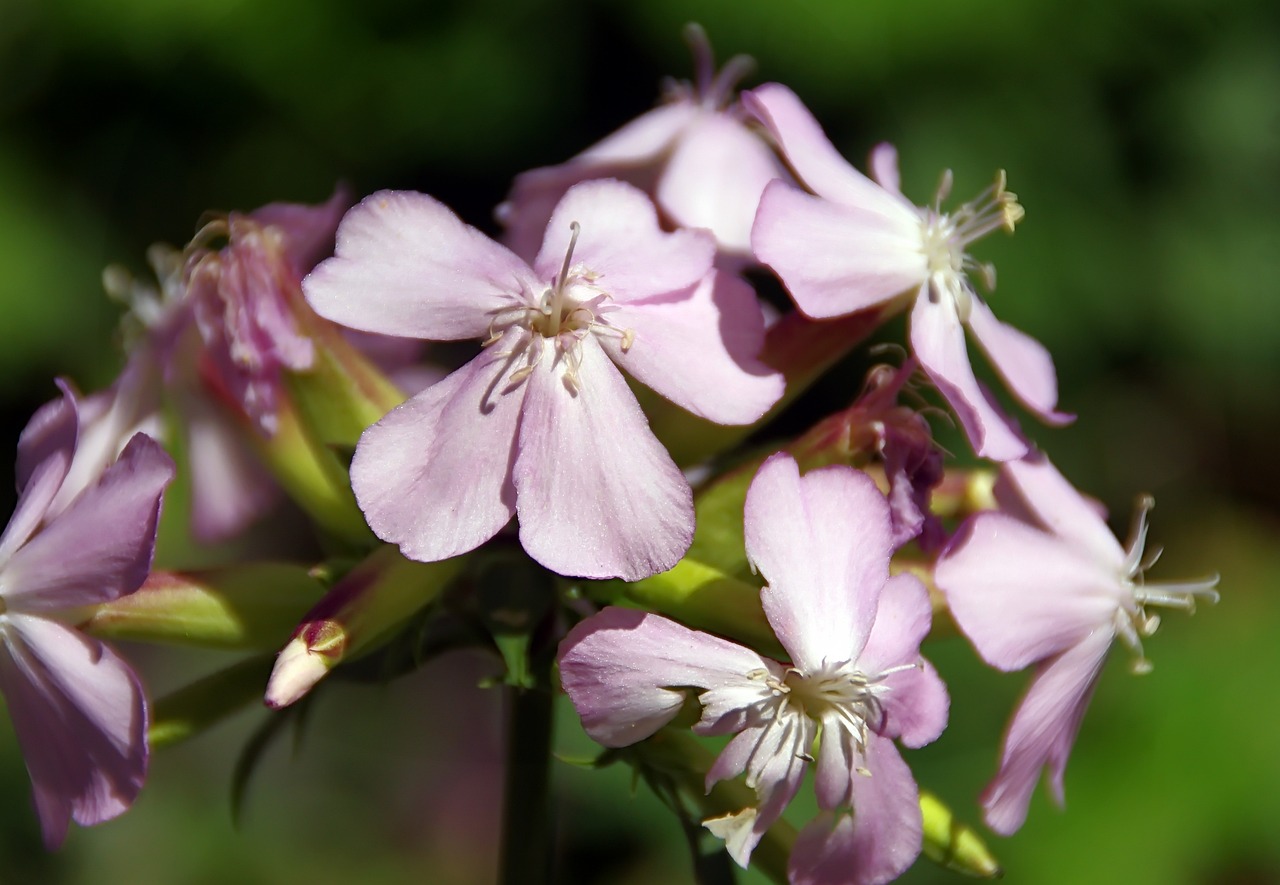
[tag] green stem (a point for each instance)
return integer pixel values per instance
(526, 830)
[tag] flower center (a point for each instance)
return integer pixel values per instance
(570, 308)
(944, 238)
(843, 692)
(1132, 621)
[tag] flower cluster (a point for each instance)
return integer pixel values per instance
(588, 448)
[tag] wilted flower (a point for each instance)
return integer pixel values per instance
(1043, 581)
(541, 422)
(855, 681)
(852, 244)
(77, 707)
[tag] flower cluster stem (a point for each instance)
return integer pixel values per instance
(526, 825)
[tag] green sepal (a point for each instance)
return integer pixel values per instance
(954, 844)
(342, 393)
(252, 606)
(195, 707)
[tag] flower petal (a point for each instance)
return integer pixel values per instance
(308, 230)
(434, 475)
(834, 259)
(598, 495)
(406, 265)
(1059, 507)
(916, 702)
(46, 449)
(628, 672)
(878, 842)
(701, 352)
(815, 160)
(1021, 594)
(1042, 732)
(822, 541)
(714, 178)
(937, 338)
(1021, 361)
(81, 721)
(100, 547)
(622, 242)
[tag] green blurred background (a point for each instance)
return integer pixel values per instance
(1143, 137)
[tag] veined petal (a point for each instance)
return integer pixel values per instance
(45, 451)
(915, 702)
(406, 265)
(100, 547)
(714, 178)
(1022, 361)
(622, 242)
(628, 672)
(434, 475)
(878, 842)
(1021, 594)
(81, 721)
(816, 162)
(1060, 508)
(598, 495)
(701, 352)
(834, 259)
(937, 338)
(1043, 730)
(822, 541)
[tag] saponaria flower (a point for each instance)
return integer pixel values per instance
(855, 681)
(77, 707)
(694, 155)
(541, 422)
(851, 243)
(1043, 581)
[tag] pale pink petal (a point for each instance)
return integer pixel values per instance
(434, 475)
(46, 449)
(100, 547)
(833, 259)
(644, 138)
(701, 352)
(838, 756)
(1043, 730)
(916, 703)
(1057, 505)
(1021, 361)
(878, 842)
(884, 167)
(308, 230)
(822, 542)
(1021, 594)
(229, 486)
(598, 495)
(81, 721)
(628, 672)
(815, 161)
(622, 242)
(714, 179)
(406, 265)
(937, 338)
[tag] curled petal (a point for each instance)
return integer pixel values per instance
(598, 495)
(80, 717)
(1022, 361)
(1042, 732)
(822, 541)
(45, 452)
(628, 672)
(1056, 505)
(937, 338)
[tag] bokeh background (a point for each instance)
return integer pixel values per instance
(1143, 137)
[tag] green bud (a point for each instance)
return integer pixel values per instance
(342, 393)
(953, 844)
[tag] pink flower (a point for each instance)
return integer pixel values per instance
(1043, 581)
(856, 678)
(77, 707)
(694, 155)
(541, 422)
(852, 243)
